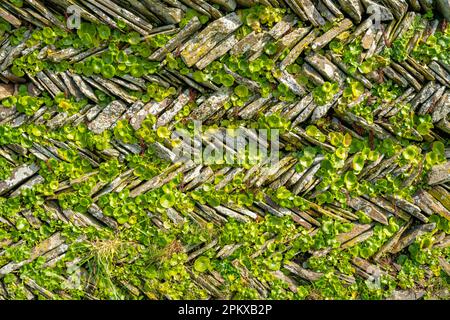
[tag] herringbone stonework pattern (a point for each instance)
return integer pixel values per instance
(351, 201)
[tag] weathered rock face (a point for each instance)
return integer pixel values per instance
(193, 25)
(209, 37)
(439, 174)
(407, 295)
(353, 8)
(6, 90)
(18, 176)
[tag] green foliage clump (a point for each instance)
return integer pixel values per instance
(325, 93)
